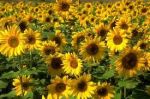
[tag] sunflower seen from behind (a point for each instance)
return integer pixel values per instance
(72, 64)
(32, 39)
(83, 87)
(129, 62)
(116, 40)
(92, 49)
(59, 88)
(22, 85)
(12, 42)
(104, 91)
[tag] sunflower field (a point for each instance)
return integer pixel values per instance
(70, 49)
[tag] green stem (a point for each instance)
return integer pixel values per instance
(30, 59)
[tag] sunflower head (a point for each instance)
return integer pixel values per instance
(22, 85)
(130, 62)
(59, 87)
(104, 91)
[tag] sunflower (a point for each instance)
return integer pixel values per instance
(143, 44)
(59, 39)
(144, 10)
(49, 48)
(104, 91)
(22, 85)
(55, 64)
(82, 87)
(23, 25)
(92, 49)
(77, 38)
(130, 62)
(112, 24)
(101, 30)
(147, 61)
(58, 88)
(124, 23)
(12, 42)
(116, 40)
(32, 39)
(72, 64)
(63, 6)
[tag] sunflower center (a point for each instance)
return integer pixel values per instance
(124, 26)
(60, 87)
(102, 92)
(117, 39)
(50, 12)
(102, 32)
(25, 85)
(47, 19)
(92, 49)
(113, 24)
(13, 42)
(80, 39)
(65, 6)
(23, 26)
(57, 40)
(31, 39)
(73, 62)
(49, 50)
(56, 63)
(144, 10)
(82, 86)
(129, 61)
(134, 32)
(143, 46)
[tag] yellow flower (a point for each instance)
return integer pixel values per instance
(58, 88)
(72, 64)
(48, 48)
(116, 40)
(12, 42)
(22, 85)
(55, 64)
(104, 91)
(82, 87)
(32, 39)
(92, 49)
(130, 62)
(146, 61)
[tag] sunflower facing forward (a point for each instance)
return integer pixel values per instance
(82, 87)
(103, 91)
(130, 62)
(32, 39)
(12, 42)
(58, 88)
(116, 40)
(22, 85)
(72, 64)
(92, 49)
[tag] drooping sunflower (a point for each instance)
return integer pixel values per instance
(72, 64)
(116, 40)
(55, 64)
(130, 62)
(12, 42)
(32, 39)
(48, 48)
(101, 31)
(77, 38)
(58, 88)
(59, 39)
(104, 91)
(22, 85)
(82, 87)
(92, 49)
(124, 23)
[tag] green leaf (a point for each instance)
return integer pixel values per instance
(3, 84)
(9, 75)
(29, 95)
(108, 74)
(129, 84)
(117, 94)
(11, 94)
(140, 94)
